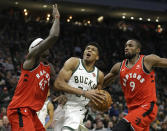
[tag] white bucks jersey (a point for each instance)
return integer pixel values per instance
(84, 80)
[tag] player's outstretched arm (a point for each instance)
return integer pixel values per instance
(110, 77)
(152, 60)
(37, 50)
(52, 37)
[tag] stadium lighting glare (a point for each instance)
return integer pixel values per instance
(25, 10)
(68, 20)
(148, 19)
(82, 10)
(132, 18)
(123, 17)
(44, 6)
(70, 17)
(26, 13)
(48, 15)
(140, 18)
(47, 18)
(123, 13)
(100, 19)
(16, 2)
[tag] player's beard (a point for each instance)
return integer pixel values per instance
(130, 56)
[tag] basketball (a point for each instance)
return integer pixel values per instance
(104, 106)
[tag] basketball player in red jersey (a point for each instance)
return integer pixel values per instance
(138, 83)
(32, 87)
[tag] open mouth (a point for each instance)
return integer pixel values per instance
(88, 54)
(126, 52)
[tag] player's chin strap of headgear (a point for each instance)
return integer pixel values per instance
(35, 43)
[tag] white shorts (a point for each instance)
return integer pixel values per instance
(72, 117)
(58, 118)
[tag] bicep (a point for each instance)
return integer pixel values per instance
(67, 70)
(65, 74)
(160, 62)
(155, 61)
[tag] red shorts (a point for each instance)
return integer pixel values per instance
(24, 119)
(141, 117)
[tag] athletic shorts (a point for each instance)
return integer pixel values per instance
(72, 117)
(24, 119)
(141, 117)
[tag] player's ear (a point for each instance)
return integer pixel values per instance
(138, 50)
(97, 57)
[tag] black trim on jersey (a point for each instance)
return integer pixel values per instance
(121, 66)
(149, 110)
(36, 66)
(25, 80)
(26, 75)
(20, 118)
(144, 67)
(45, 63)
(67, 127)
(133, 65)
(33, 68)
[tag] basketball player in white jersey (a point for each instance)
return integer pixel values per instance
(47, 109)
(79, 78)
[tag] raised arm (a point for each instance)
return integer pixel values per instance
(152, 60)
(42, 45)
(110, 77)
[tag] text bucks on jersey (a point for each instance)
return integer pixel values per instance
(84, 80)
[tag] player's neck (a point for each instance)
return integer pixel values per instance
(133, 60)
(43, 60)
(89, 65)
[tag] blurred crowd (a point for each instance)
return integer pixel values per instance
(16, 31)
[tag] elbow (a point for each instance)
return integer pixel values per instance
(57, 84)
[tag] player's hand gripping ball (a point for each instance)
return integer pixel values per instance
(105, 104)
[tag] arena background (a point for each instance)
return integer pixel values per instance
(108, 22)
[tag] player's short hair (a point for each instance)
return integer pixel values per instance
(138, 43)
(97, 46)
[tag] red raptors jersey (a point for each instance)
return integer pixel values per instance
(138, 86)
(32, 88)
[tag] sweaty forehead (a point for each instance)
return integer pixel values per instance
(130, 42)
(92, 47)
